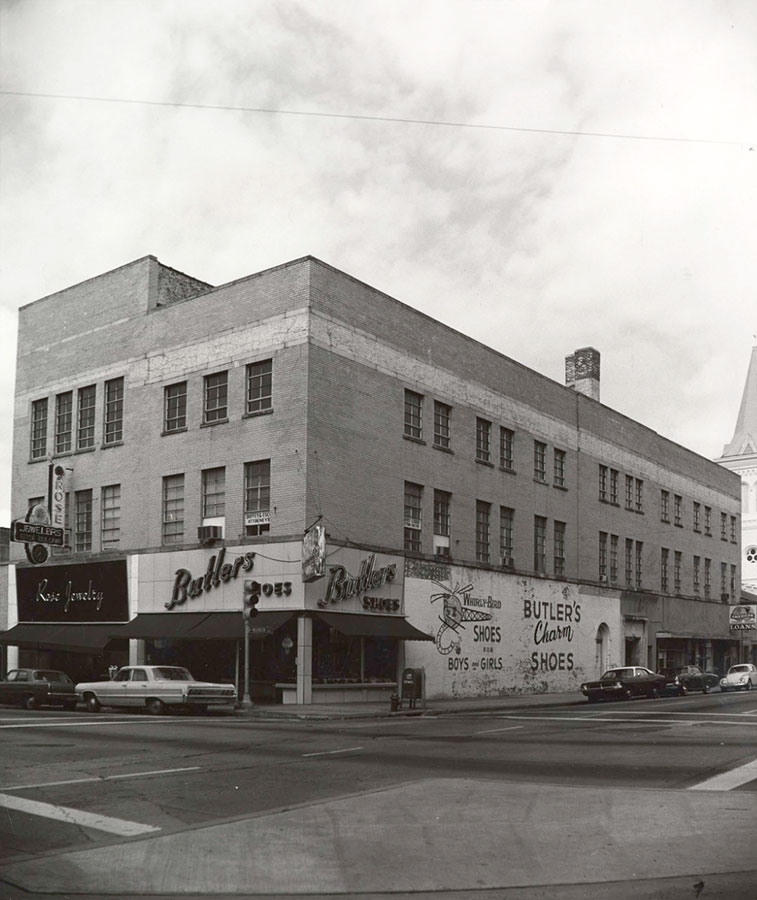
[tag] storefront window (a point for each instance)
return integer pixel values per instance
(338, 659)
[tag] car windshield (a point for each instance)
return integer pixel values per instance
(52, 676)
(618, 673)
(735, 669)
(172, 673)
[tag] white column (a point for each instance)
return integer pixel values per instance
(304, 659)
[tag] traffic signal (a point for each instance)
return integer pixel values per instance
(251, 598)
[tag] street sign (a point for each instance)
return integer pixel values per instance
(34, 533)
(260, 630)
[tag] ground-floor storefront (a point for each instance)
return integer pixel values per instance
(350, 632)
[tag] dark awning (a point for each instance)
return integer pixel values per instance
(79, 638)
(160, 625)
(228, 626)
(358, 625)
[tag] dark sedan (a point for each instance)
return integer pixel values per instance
(624, 683)
(31, 688)
(682, 679)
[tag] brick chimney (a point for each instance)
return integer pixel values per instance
(582, 372)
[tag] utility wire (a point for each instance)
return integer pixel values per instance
(364, 118)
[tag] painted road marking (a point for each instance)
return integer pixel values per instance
(68, 723)
(727, 781)
(619, 717)
(496, 730)
(330, 752)
(121, 827)
(44, 784)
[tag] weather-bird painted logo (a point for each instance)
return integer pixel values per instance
(454, 613)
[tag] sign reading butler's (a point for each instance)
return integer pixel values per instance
(373, 584)
(89, 592)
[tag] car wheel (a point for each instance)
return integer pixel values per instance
(30, 702)
(706, 689)
(627, 695)
(155, 706)
(93, 704)
(748, 686)
(683, 690)
(654, 694)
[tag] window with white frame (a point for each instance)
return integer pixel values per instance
(540, 461)
(83, 521)
(113, 414)
(38, 449)
(603, 555)
(413, 517)
(175, 407)
(507, 449)
(213, 495)
(257, 497)
(173, 509)
(506, 535)
(483, 440)
(260, 386)
(215, 398)
(559, 468)
(413, 415)
(483, 531)
(559, 548)
(442, 427)
(664, 553)
(110, 516)
(442, 512)
(85, 431)
(64, 404)
(540, 544)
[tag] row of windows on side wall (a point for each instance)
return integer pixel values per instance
(74, 426)
(484, 448)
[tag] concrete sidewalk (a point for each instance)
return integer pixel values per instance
(430, 707)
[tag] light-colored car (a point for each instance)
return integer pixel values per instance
(155, 689)
(742, 677)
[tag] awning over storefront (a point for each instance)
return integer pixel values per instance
(204, 626)
(357, 625)
(83, 638)
(222, 626)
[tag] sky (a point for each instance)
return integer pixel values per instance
(541, 176)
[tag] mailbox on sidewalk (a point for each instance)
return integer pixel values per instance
(412, 686)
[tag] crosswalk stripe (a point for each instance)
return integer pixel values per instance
(121, 827)
(726, 781)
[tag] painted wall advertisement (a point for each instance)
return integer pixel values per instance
(505, 634)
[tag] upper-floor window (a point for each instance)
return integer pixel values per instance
(707, 577)
(708, 521)
(83, 521)
(614, 558)
(175, 407)
(678, 510)
(559, 468)
(559, 547)
(695, 574)
(413, 415)
(64, 404)
(173, 509)
(639, 559)
(603, 556)
(113, 416)
(603, 483)
(85, 433)
(540, 461)
(214, 493)
(442, 433)
(506, 535)
(677, 571)
(442, 507)
(260, 386)
(614, 486)
(664, 506)
(507, 449)
(664, 554)
(483, 531)
(38, 448)
(629, 562)
(110, 516)
(639, 495)
(629, 491)
(215, 405)
(540, 544)
(723, 526)
(733, 529)
(257, 497)
(413, 516)
(483, 440)
(697, 516)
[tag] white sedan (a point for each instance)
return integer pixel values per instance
(155, 688)
(742, 677)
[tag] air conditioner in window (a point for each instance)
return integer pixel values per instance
(603, 579)
(506, 562)
(209, 534)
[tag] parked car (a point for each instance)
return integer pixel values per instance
(624, 683)
(742, 677)
(31, 688)
(682, 679)
(155, 688)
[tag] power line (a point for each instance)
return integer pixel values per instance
(364, 118)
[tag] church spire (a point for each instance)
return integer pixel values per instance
(744, 440)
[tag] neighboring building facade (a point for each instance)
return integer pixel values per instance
(501, 531)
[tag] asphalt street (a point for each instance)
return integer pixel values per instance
(621, 800)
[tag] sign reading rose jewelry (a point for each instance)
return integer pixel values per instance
(459, 606)
(553, 624)
(89, 592)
